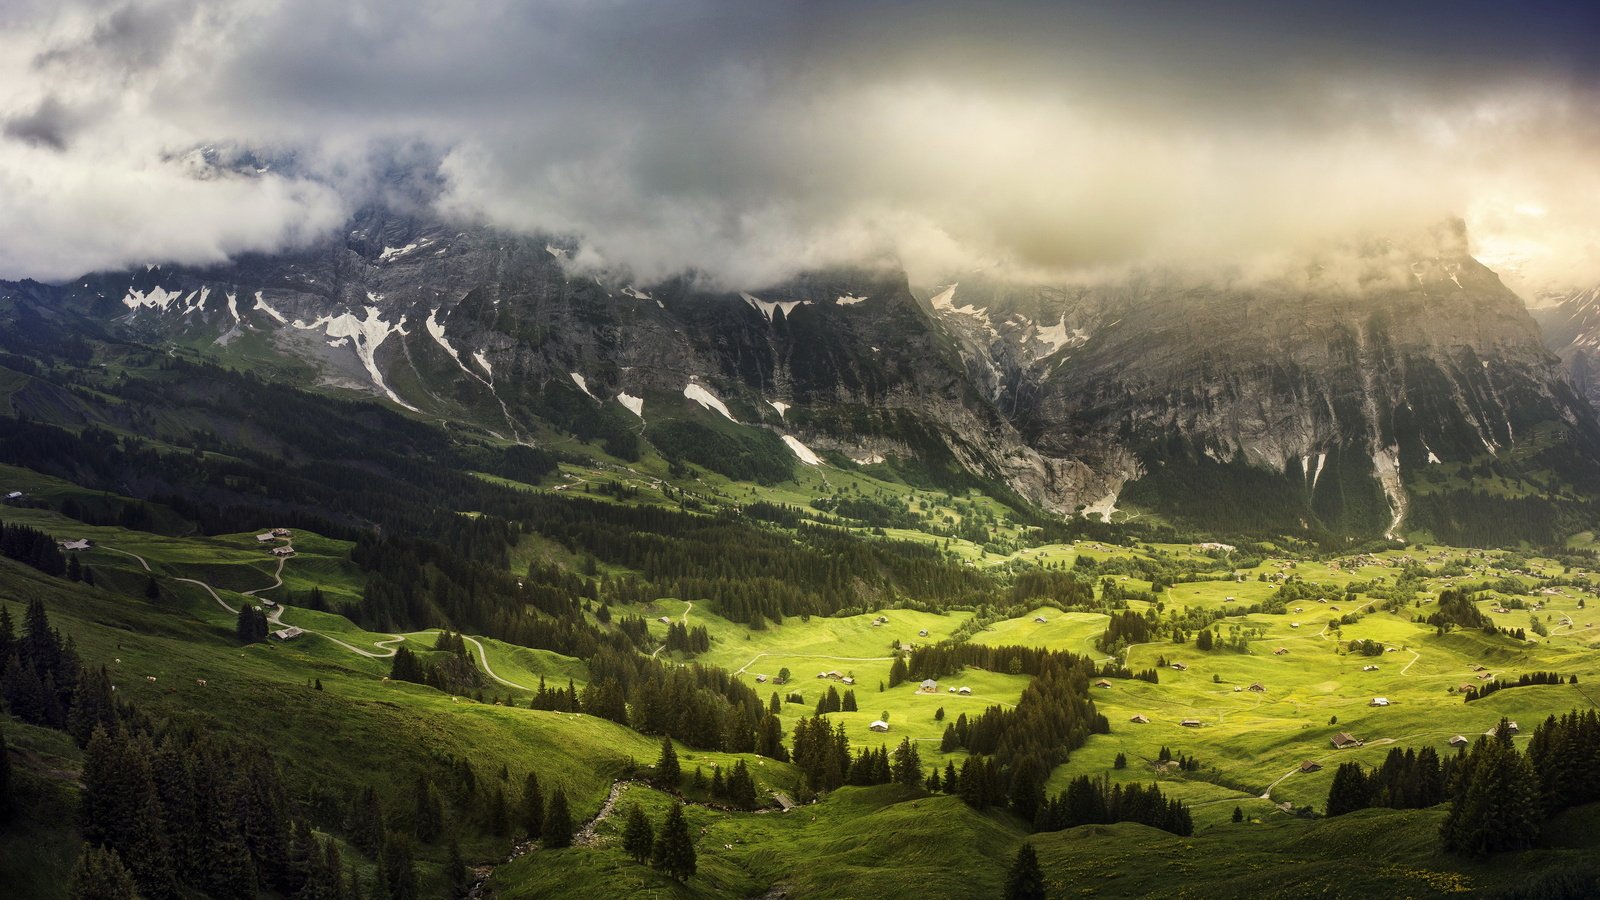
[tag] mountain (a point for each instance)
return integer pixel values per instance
(1311, 399)
(1319, 393)
(1570, 321)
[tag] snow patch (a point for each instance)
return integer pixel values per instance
(392, 253)
(367, 334)
(1058, 336)
(779, 405)
(339, 343)
(634, 404)
(636, 294)
(262, 305)
(582, 385)
(867, 459)
(233, 305)
(436, 329)
(480, 359)
(802, 451)
(767, 308)
(705, 398)
(849, 300)
(158, 298)
(555, 251)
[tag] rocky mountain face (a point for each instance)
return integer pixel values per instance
(1318, 391)
(502, 330)
(1312, 393)
(1570, 321)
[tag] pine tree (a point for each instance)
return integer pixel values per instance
(1497, 805)
(6, 802)
(532, 814)
(120, 809)
(499, 821)
(100, 875)
(638, 838)
(667, 773)
(1238, 815)
(1351, 790)
(674, 849)
(741, 787)
(1025, 880)
(557, 829)
(907, 768)
(396, 870)
(458, 878)
(427, 817)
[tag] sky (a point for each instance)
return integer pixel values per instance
(747, 141)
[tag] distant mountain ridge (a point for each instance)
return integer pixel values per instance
(1310, 400)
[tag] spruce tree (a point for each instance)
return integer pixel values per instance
(532, 816)
(638, 838)
(557, 829)
(427, 817)
(1351, 790)
(396, 870)
(1025, 880)
(100, 875)
(6, 803)
(674, 849)
(741, 787)
(667, 773)
(907, 768)
(458, 878)
(1497, 806)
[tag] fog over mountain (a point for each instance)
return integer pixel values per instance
(746, 142)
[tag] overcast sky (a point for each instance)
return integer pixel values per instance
(749, 139)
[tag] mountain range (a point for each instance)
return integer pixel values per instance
(1375, 389)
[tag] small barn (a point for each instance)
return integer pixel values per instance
(1259, 688)
(1040, 619)
(1190, 723)
(1311, 765)
(1369, 668)
(1140, 719)
(1379, 701)
(265, 537)
(1459, 740)
(1344, 740)
(79, 544)
(281, 532)
(1180, 667)
(288, 634)
(282, 551)
(964, 690)
(929, 686)
(761, 679)
(879, 726)
(1102, 683)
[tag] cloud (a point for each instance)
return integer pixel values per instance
(746, 141)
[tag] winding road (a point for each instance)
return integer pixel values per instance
(386, 647)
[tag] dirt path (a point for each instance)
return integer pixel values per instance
(275, 617)
(483, 657)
